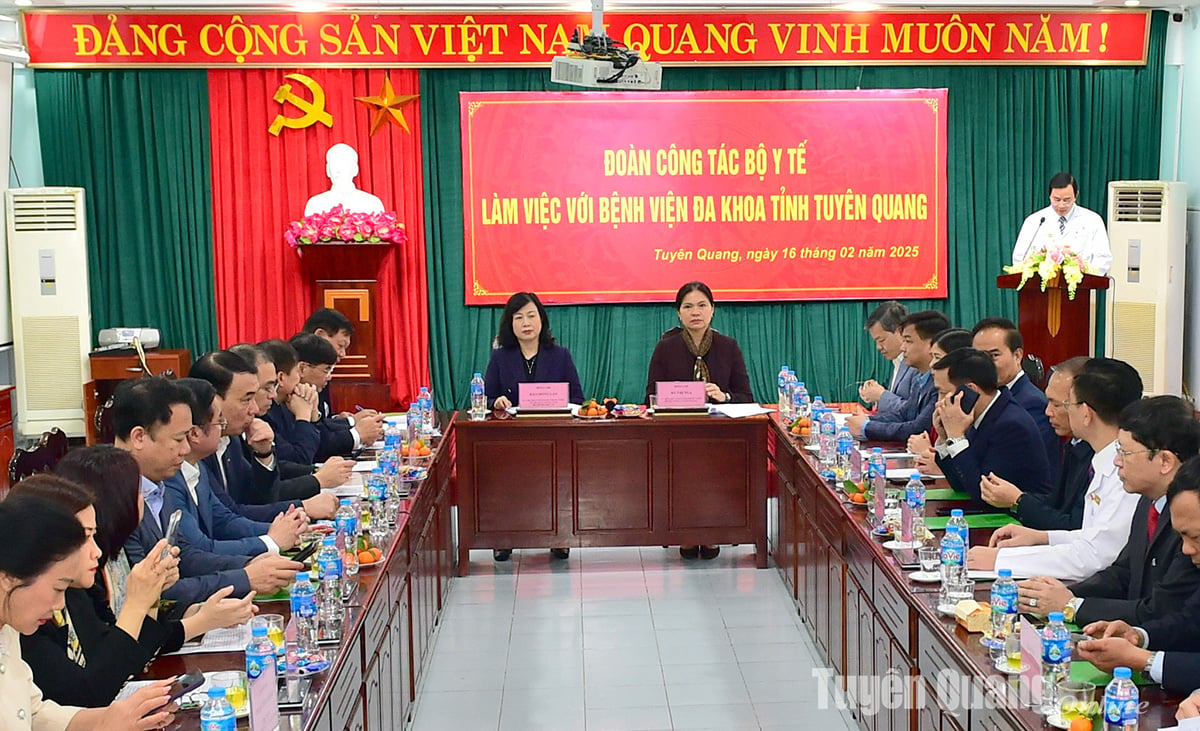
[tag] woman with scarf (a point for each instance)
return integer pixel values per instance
(697, 352)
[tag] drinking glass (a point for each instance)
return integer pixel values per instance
(234, 683)
(930, 558)
(274, 624)
(1075, 699)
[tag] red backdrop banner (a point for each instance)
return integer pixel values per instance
(261, 182)
(236, 39)
(797, 195)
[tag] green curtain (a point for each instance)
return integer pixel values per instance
(1010, 129)
(137, 142)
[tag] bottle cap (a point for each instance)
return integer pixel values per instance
(800, 383)
(258, 630)
(478, 374)
(1005, 573)
(956, 513)
(914, 476)
(344, 501)
(1056, 616)
(1122, 672)
(215, 692)
(876, 450)
(302, 576)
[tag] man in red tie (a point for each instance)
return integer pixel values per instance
(1151, 577)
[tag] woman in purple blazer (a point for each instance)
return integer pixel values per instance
(697, 352)
(526, 352)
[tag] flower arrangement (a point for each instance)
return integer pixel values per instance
(339, 225)
(1050, 263)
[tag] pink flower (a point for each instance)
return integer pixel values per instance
(346, 232)
(327, 232)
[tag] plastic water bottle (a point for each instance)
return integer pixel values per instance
(789, 389)
(347, 521)
(845, 453)
(877, 476)
(216, 714)
(478, 398)
(1004, 614)
(784, 405)
(958, 523)
(953, 561)
(377, 481)
(1056, 660)
(828, 442)
(329, 563)
(304, 612)
(800, 403)
(914, 497)
(425, 400)
(1121, 702)
(260, 654)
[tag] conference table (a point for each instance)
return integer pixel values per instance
(627, 482)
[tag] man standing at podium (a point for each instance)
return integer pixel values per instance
(1065, 224)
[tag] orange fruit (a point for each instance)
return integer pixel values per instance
(425, 452)
(1081, 724)
(403, 451)
(377, 553)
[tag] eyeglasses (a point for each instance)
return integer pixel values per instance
(1065, 404)
(1058, 404)
(1126, 453)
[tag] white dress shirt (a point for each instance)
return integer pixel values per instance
(1074, 555)
(896, 363)
(948, 449)
(1084, 233)
(191, 478)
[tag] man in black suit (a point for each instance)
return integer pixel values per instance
(1167, 649)
(1151, 577)
(1000, 338)
(992, 436)
(250, 487)
(151, 421)
(1062, 509)
(341, 434)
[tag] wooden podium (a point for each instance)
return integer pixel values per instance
(345, 277)
(1054, 326)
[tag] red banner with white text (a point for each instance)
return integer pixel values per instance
(806, 37)
(772, 195)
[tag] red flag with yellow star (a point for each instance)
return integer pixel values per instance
(270, 130)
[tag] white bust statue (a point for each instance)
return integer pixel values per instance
(341, 165)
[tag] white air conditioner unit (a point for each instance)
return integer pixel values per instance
(1147, 225)
(52, 323)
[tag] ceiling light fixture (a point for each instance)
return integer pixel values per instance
(1132, 3)
(23, 3)
(859, 7)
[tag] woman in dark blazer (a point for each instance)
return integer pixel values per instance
(696, 352)
(525, 352)
(86, 654)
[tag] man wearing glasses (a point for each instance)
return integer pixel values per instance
(1098, 395)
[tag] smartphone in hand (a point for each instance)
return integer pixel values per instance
(171, 533)
(969, 397)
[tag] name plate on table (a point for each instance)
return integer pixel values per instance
(680, 396)
(543, 397)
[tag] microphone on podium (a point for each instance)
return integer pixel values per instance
(1031, 238)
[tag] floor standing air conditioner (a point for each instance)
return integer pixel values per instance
(1147, 226)
(48, 281)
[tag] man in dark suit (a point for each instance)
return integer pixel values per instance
(1151, 577)
(207, 523)
(993, 436)
(1062, 509)
(336, 329)
(248, 486)
(883, 325)
(294, 412)
(919, 330)
(151, 421)
(1166, 649)
(1000, 338)
(340, 434)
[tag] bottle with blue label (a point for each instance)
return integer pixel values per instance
(329, 564)
(260, 654)
(828, 443)
(953, 561)
(1004, 613)
(377, 482)
(845, 453)
(877, 478)
(216, 714)
(1056, 660)
(800, 403)
(303, 599)
(425, 402)
(1121, 702)
(785, 408)
(914, 498)
(478, 398)
(958, 523)
(346, 521)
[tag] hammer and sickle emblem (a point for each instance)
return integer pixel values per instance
(314, 111)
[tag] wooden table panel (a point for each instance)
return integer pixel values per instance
(611, 491)
(707, 478)
(520, 496)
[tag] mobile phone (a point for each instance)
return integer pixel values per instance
(186, 684)
(306, 552)
(969, 397)
(172, 532)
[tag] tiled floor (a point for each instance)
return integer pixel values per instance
(622, 639)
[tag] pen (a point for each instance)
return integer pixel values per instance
(358, 407)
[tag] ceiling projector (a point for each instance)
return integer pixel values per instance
(598, 62)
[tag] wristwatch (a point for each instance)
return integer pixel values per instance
(728, 397)
(1149, 666)
(1015, 507)
(1070, 609)
(267, 454)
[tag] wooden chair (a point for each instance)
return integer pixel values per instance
(42, 458)
(1035, 370)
